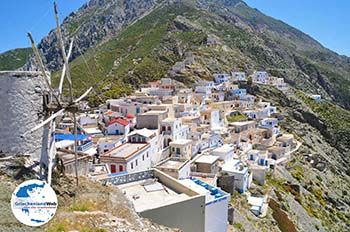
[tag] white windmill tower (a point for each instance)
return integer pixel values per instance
(54, 106)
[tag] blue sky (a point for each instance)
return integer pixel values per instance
(326, 20)
(17, 17)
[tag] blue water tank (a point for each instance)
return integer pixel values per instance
(214, 190)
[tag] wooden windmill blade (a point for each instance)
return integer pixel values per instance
(64, 55)
(42, 67)
(83, 95)
(45, 122)
(64, 68)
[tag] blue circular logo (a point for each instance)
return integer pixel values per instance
(34, 203)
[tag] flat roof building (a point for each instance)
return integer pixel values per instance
(225, 152)
(189, 204)
(207, 164)
(151, 119)
(175, 167)
(216, 204)
(128, 157)
(181, 148)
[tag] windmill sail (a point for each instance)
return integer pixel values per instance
(54, 110)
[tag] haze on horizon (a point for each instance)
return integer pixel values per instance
(326, 21)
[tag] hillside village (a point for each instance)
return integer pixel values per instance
(172, 150)
(214, 117)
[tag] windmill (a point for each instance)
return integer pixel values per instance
(54, 105)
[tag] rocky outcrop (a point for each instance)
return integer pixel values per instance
(93, 23)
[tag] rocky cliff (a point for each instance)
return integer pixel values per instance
(93, 23)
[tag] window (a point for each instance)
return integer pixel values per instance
(121, 168)
(113, 168)
(147, 154)
(143, 157)
(136, 162)
(132, 165)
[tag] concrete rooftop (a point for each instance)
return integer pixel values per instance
(172, 164)
(150, 194)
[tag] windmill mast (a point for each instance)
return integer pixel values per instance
(54, 109)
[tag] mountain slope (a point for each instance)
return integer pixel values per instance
(255, 40)
(95, 22)
(14, 59)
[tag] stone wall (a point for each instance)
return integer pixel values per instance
(21, 109)
(226, 183)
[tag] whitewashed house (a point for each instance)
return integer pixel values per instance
(175, 167)
(242, 178)
(152, 138)
(118, 126)
(210, 140)
(239, 76)
(172, 130)
(211, 117)
(221, 78)
(125, 106)
(267, 108)
(106, 144)
(255, 114)
(215, 207)
(181, 148)
(225, 152)
(218, 96)
(88, 119)
(239, 93)
(258, 162)
(270, 124)
(204, 87)
(184, 95)
(128, 157)
(260, 77)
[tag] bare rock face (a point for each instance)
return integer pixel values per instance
(94, 22)
(21, 110)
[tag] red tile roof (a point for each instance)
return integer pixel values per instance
(120, 121)
(130, 116)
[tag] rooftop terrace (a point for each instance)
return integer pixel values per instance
(125, 150)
